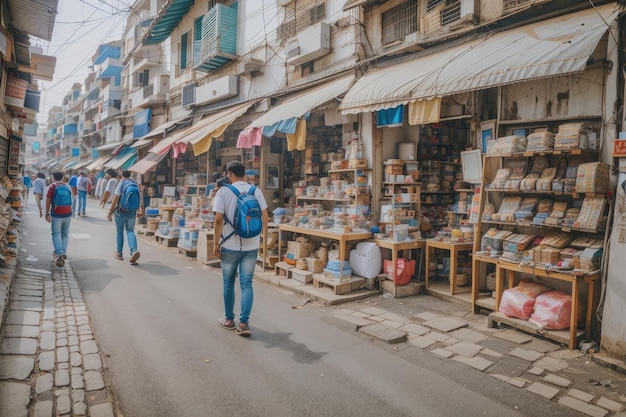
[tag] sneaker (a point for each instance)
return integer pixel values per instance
(228, 324)
(60, 262)
(118, 255)
(243, 330)
(64, 257)
(134, 257)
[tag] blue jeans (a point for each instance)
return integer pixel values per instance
(125, 220)
(60, 234)
(82, 201)
(246, 262)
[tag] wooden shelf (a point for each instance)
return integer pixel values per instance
(325, 199)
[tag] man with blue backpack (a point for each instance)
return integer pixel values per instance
(59, 215)
(126, 202)
(240, 218)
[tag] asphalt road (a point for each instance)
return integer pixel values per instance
(156, 327)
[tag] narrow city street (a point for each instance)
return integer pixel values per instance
(164, 355)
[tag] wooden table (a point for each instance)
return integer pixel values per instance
(454, 248)
(323, 233)
(476, 261)
(398, 246)
(507, 270)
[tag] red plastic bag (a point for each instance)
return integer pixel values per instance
(552, 310)
(519, 301)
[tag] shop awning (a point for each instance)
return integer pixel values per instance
(147, 139)
(83, 164)
(552, 47)
(98, 164)
(298, 105)
(201, 135)
(123, 160)
(166, 143)
(109, 146)
(149, 161)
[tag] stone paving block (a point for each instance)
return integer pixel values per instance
(465, 349)
(21, 331)
(77, 381)
(421, 342)
(475, 362)
(437, 337)
(101, 410)
(445, 324)
(357, 321)
(527, 354)
(395, 317)
(414, 329)
(468, 335)
(510, 366)
(518, 382)
(541, 346)
(377, 319)
(442, 352)
(92, 362)
(580, 395)
(46, 360)
(16, 367)
(44, 382)
(513, 336)
(384, 333)
(27, 306)
(61, 378)
(19, 346)
(27, 318)
(373, 311)
(47, 325)
(490, 352)
(551, 364)
(88, 347)
(79, 408)
(76, 359)
(427, 316)
(566, 354)
(78, 395)
(557, 380)
(63, 354)
(501, 377)
(47, 341)
(64, 405)
(359, 314)
(391, 324)
(535, 370)
(583, 407)
(451, 341)
(14, 397)
(544, 390)
(609, 404)
(43, 408)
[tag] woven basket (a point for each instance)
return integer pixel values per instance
(301, 264)
(315, 265)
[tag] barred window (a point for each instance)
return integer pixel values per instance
(399, 21)
(301, 18)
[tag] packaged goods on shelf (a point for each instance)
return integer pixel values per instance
(519, 301)
(572, 136)
(592, 177)
(508, 207)
(540, 142)
(527, 209)
(544, 183)
(500, 179)
(543, 211)
(507, 145)
(552, 310)
(590, 213)
(591, 259)
(494, 239)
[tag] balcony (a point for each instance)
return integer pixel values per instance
(111, 97)
(110, 67)
(151, 95)
(218, 46)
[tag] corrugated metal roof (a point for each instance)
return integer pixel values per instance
(170, 17)
(552, 47)
(34, 17)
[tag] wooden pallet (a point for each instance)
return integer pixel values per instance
(343, 287)
(166, 240)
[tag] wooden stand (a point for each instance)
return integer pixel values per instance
(354, 283)
(454, 249)
(301, 275)
(395, 247)
(283, 269)
(166, 240)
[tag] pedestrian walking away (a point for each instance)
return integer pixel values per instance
(59, 215)
(73, 182)
(238, 243)
(124, 206)
(82, 185)
(109, 188)
(27, 183)
(39, 185)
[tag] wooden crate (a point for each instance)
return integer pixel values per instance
(166, 240)
(354, 283)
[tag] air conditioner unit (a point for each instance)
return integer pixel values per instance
(310, 44)
(220, 89)
(189, 95)
(249, 65)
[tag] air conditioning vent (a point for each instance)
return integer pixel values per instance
(189, 95)
(220, 89)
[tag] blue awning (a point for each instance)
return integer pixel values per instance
(123, 160)
(108, 51)
(111, 71)
(164, 25)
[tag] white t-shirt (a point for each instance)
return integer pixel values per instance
(110, 187)
(226, 202)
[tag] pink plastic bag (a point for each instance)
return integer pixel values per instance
(552, 310)
(519, 301)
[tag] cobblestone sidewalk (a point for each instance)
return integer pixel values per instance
(49, 360)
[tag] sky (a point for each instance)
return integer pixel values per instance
(80, 27)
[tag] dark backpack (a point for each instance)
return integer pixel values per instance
(248, 221)
(129, 198)
(62, 200)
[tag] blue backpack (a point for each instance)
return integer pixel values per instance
(129, 198)
(248, 221)
(62, 200)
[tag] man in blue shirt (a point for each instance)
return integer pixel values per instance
(39, 186)
(73, 182)
(26, 182)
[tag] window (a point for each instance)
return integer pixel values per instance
(399, 21)
(143, 78)
(296, 20)
(197, 40)
(183, 51)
